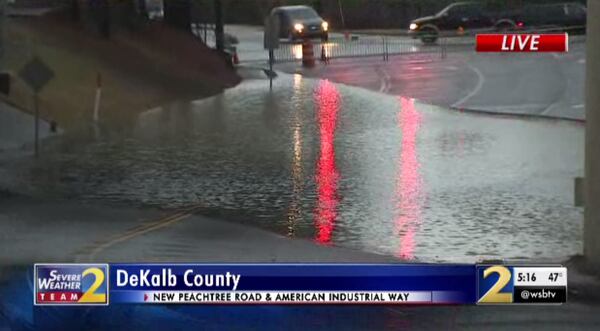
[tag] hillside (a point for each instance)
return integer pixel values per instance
(141, 69)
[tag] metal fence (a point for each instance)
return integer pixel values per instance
(386, 46)
(383, 47)
(204, 31)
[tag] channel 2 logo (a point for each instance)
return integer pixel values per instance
(498, 284)
(71, 284)
(495, 284)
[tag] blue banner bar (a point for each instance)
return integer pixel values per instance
(455, 284)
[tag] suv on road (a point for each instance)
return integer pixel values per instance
(299, 22)
(457, 17)
(561, 16)
(460, 17)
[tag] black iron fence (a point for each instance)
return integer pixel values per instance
(383, 47)
(204, 31)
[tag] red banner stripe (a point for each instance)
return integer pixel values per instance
(523, 42)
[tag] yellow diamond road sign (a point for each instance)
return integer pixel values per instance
(36, 74)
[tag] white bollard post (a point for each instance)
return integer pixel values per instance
(96, 114)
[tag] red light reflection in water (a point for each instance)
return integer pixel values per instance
(408, 180)
(327, 100)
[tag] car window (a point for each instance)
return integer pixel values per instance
(544, 11)
(556, 11)
(446, 10)
(575, 10)
(464, 11)
(304, 13)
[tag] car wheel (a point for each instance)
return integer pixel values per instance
(429, 36)
(505, 27)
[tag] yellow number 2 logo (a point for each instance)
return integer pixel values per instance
(493, 295)
(90, 296)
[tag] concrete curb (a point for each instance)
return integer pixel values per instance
(583, 281)
(516, 115)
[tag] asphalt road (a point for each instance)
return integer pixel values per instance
(549, 85)
(67, 231)
(17, 130)
(531, 84)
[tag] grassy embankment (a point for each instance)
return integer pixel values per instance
(140, 69)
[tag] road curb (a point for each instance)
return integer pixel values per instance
(516, 115)
(584, 281)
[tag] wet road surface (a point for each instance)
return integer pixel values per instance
(550, 85)
(17, 129)
(341, 166)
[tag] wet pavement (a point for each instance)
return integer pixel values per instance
(449, 73)
(17, 129)
(341, 166)
(548, 85)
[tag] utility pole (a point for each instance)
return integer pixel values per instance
(591, 228)
(219, 29)
(104, 18)
(341, 9)
(2, 22)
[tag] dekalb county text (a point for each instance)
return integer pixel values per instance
(166, 278)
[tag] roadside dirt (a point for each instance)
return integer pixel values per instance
(139, 70)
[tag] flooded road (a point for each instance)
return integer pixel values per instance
(343, 166)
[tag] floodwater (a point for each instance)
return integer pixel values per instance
(343, 166)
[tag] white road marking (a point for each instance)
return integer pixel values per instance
(381, 80)
(385, 79)
(512, 109)
(578, 106)
(477, 89)
(581, 61)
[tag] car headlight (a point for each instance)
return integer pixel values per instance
(325, 26)
(413, 26)
(299, 27)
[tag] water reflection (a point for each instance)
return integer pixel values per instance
(328, 48)
(297, 51)
(408, 180)
(327, 102)
(294, 214)
(275, 159)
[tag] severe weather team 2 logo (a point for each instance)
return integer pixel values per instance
(71, 284)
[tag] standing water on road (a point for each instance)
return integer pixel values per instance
(343, 166)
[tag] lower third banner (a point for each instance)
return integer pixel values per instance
(101, 284)
(293, 284)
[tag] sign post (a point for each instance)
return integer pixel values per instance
(36, 74)
(2, 21)
(271, 42)
(37, 123)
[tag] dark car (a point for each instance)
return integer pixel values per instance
(559, 16)
(456, 18)
(298, 22)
